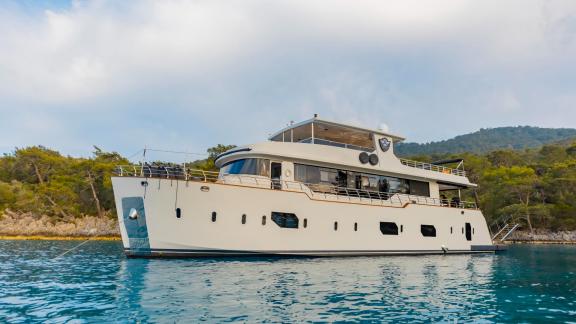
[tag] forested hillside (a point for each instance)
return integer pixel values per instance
(491, 139)
(538, 186)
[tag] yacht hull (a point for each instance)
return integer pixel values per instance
(219, 219)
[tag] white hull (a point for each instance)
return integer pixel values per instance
(158, 232)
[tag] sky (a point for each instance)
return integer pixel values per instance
(187, 75)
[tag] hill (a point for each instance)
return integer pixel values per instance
(490, 139)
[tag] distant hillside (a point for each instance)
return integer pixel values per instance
(486, 140)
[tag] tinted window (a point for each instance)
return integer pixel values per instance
(335, 226)
(419, 188)
(355, 227)
(285, 220)
(305, 222)
(178, 212)
(355, 180)
(388, 228)
(213, 216)
(244, 219)
(247, 166)
(263, 220)
(428, 230)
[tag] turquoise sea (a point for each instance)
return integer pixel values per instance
(96, 283)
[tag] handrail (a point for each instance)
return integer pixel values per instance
(324, 191)
(432, 167)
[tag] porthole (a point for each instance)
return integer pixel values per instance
(263, 220)
(178, 212)
(401, 228)
(355, 227)
(243, 218)
(213, 216)
(335, 226)
(305, 222)
(428, 230)
(388, 228)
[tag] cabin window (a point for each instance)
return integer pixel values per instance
(285, 220)
(243, 218)
(401, 228)
(468, 232)
(213, 216)
(326, 179)
(178, 212)
(263, 220)
(450, 229)
(388, 228)
(428, 230)
(305, 223)
(419, 188)
(259, 167)
(335, 226)
(355, 227)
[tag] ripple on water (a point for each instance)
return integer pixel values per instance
(97, 283)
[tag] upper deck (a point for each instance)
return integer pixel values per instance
(351, 145)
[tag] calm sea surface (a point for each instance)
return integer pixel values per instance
(96, 283)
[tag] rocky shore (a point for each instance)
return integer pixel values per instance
(27, 225)
(543, 236)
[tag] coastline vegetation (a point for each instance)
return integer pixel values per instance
(38, 185)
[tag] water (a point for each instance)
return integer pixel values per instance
(96, 283)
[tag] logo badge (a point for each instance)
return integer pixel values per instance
(384, 144)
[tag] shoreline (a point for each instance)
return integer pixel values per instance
(57, 238)
(118, 238)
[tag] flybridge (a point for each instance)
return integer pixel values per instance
(324, 132)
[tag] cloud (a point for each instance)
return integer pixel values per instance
(195, 73)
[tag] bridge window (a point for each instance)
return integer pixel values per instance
(428, 230)
(285, 220)
(259, 167)
(388, 228)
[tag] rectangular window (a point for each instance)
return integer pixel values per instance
(285, 220)
(468, 232)
(419, 188)
(428, 230)
(388, 228)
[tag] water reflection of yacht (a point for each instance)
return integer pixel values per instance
(315, 188)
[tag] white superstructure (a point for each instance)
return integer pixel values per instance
(316, 188)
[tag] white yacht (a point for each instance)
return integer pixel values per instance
(316, 188)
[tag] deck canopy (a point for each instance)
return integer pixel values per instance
(323, 132)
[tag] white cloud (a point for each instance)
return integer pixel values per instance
(219, 64)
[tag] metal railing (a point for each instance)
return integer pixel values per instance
(433, 167)
(322, 141)
(318, 191)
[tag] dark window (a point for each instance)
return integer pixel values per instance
(243, 218)
(388, 228)
(401, 228)
(355, 227)
(419, 188)
(325, 179)
(285, 220)
(178, 212)
(305, 222)
(468, 232)
(428, 230)
(335, 226)
(263, 220)
(450, 229)
(213, 216)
